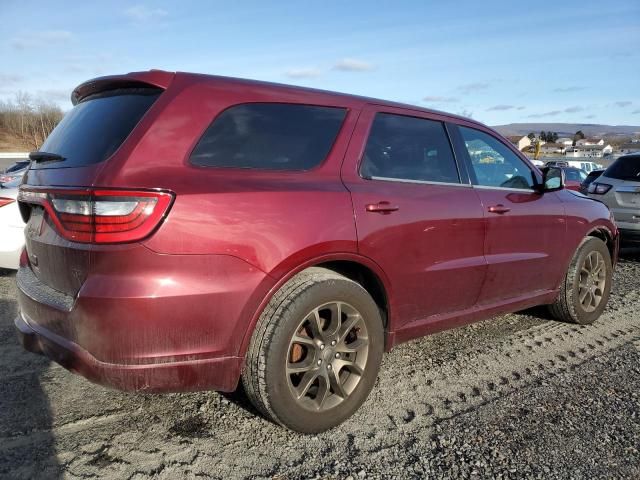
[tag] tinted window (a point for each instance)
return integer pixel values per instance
(574, 174)
(94, 129)
(17, 166)
(273, 136)
(493, 163)
(624, 168)
(408, 148)
(591, 177)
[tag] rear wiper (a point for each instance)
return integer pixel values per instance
(46, 157)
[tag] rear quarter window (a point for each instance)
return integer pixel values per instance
(269, 136)
(96, 127)
(625, 168)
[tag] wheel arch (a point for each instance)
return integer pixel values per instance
(604, 234)
(353, 266)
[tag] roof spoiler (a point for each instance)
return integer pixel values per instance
(152, 78)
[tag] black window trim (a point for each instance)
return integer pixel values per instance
(377, 109)
(267, 171)
(464, 154)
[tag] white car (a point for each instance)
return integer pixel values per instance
(11, 229)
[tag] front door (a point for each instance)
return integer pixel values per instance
(525, 229)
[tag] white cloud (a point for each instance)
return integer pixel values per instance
(144, 14)
(41, 39)
(353, 65)
(10, 79)
(623, 103)
(501, 108)
(439, 99)
(304, 73)
(473, 87)
(572, 88)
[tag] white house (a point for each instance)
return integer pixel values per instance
(565, 141)
(553, 148)
(519, 141)
(588, 151)
(590, 141)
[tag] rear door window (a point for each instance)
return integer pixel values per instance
(94, 129)
(408, 148)
(269, 136)
(625, 168)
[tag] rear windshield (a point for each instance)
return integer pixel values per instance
(625, 168)
(271, 136)
(94, 129)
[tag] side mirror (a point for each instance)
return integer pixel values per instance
(552, 179)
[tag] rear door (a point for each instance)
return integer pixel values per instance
(87, 137)
(525, 229)
(416, 214)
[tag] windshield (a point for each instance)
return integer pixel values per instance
(94, 129)
(625, 168)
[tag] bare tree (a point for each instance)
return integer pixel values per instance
(29, 119)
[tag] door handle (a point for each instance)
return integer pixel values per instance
(383, 207)
(499, 209)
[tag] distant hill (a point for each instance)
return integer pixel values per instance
(568, 129)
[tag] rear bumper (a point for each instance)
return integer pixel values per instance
(216, 373)
(162, 323)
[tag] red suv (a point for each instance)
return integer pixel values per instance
(186, 232)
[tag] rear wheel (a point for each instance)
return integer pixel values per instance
(315, 353)
(585, 290)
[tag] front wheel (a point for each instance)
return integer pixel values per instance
(315, 353)
(587, 284)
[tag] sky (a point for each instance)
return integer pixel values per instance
(497, 61)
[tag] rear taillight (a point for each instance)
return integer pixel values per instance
(5, 201)
(599, 188)
(101, 216)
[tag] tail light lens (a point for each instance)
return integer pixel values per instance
(101, 216)
(5, 201)
(599, 188)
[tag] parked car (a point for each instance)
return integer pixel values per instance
(12, 176)
(581, 165)
(591, 177)
(195, 231)
(619, 188)
(12, 229)
(573, 178)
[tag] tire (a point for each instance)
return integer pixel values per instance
(309, 306)
(570, 306)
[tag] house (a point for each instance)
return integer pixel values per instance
(565, 141)
(519, 141)
(588, 151)
(627, 148)
(590, 141)
(553, 148)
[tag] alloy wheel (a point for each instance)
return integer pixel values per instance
(592, 281)
(327, 356)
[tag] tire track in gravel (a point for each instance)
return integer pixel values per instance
(519, 361)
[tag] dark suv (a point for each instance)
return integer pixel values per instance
(187, 231)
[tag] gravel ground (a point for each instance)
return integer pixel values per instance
(518, 396)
